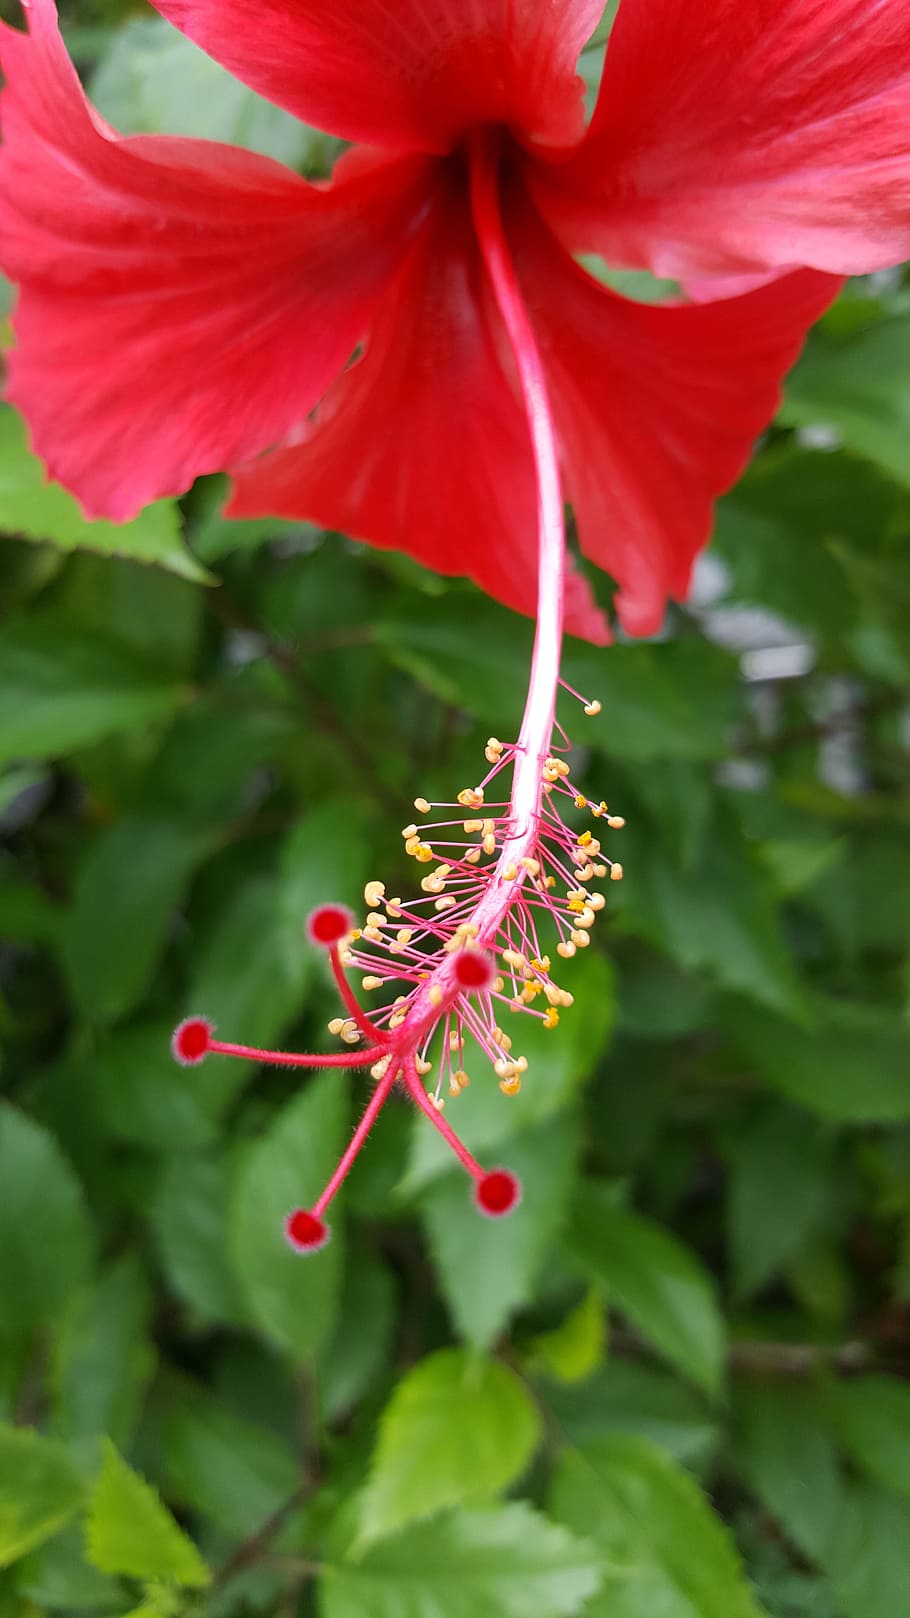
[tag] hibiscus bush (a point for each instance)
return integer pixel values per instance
(673, 1383)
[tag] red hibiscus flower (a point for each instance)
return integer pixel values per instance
(185, 307)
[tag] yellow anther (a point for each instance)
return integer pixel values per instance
(584, 872)
(380, 1068)
(598, 809)
(470, 826)
(502, 1039)
(600, 871)
(373, 934)
(592, 708)
(531, 865)
(455, 1040)
(404, 935)
(472, 857)
(513, 958)
(437, 1102)
(393, 906)
(587, 917)
(497, 985)
(597, 901)
(374, 893)
(422, 806)
(521, 1062)
(397, 1020)
(504, 1068)
(565, 998)
(576, 905)
(549, 772)
(552, 993)
(422, 1065)
(345, 956)
(369, 984)
(489, 843)
(357, 933)
(549, 882)
(580, 802)
(541, 965)
(336, 1025)
(565, 949)
(579, 938)
(511, 1085)
(434, 994)
(412, 844)
(616, 822)
(616, 873)
(510, 873)
(460, 1079)
(350, 1033)
(376, 919)
(531, 991)
(493, 741)
(551, 1018)
(408, 831)
(424, 854)
(585, 838)
(400, 1000)
(448, 903)
(471, 797)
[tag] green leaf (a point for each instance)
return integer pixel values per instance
(858, 386)
(665, 1551)
(45, 1238)
(354, 1359)
(153, 80)
(125, 896)
(62, 688)
(721, 915)
(142, 1095)
(623, 1397)
(572, 1351)
(234, 1471)
(852, 1065)
(103, 1358)
(871, 1417)
(486, 1275)
(779, 1190)
(790, 1461)
(39, 1490)
(189, 1219)
(294, 1298)
(38, 510)
(130, 1531)
(458, 1429)
(868, 1559)
(656, 1281)
(510, 1563)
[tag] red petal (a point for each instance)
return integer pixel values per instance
(404, 73)
(421, 445)
(182, 304)
(742, 135)
(657, 408)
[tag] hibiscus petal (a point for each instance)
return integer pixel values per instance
(410, 74)
(746, 135)
(421, 445)
(657, 408)
(182, 304)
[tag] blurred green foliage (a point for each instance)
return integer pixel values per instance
(675, 1383)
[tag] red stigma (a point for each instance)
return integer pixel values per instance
(497, 1193)
(192, 1041)
(305, 1231)
(473, 969)
(329, 924)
